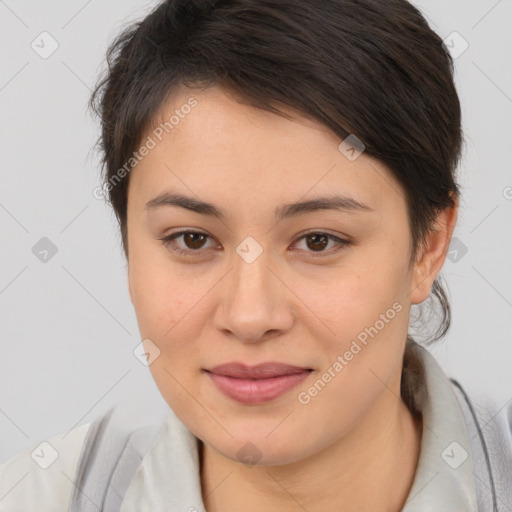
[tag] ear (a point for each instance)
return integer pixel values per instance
(431, 259)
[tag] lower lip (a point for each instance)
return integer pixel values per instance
(257, 391)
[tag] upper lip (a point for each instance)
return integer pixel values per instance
(259, 371)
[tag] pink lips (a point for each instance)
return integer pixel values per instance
(256, 384)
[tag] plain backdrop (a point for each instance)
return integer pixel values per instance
(67, 326)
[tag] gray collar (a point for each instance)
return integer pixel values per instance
(444, 477)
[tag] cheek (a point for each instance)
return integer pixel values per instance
(356, 297)
(159, 292)
(364, 317)
(364, 353)
(169, 307)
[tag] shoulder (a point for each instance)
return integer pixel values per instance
(493, 421)
(489, 427)
(93, 462)
(41, 477)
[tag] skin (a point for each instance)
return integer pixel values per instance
(355, 440)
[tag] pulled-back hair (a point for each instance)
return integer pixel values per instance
(371, 68)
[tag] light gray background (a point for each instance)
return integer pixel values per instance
(67, 327)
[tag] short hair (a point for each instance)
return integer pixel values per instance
(370, 68)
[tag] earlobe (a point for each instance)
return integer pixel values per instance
(433, 255)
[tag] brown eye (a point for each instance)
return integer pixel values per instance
(194, 240)
(317, 241)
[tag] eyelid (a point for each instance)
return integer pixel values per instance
(342, 242)
(166, 240)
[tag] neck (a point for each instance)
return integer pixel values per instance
(355, 473)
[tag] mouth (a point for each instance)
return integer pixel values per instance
(256, 384)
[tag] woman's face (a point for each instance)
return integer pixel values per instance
(255, 288)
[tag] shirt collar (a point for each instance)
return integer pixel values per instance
(444, 476)
(169, 475)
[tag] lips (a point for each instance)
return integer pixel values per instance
(256, 384)
(260, 371)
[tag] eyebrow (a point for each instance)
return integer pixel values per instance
(333, 202)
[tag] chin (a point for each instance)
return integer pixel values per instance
(258, 451)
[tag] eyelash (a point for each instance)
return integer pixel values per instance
(190, 252)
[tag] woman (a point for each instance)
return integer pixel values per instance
(283, 174)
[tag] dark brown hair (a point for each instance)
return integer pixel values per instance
(372, 68)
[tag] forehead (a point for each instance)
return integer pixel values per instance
(206, 143)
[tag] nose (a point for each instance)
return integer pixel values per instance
(254, 301)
